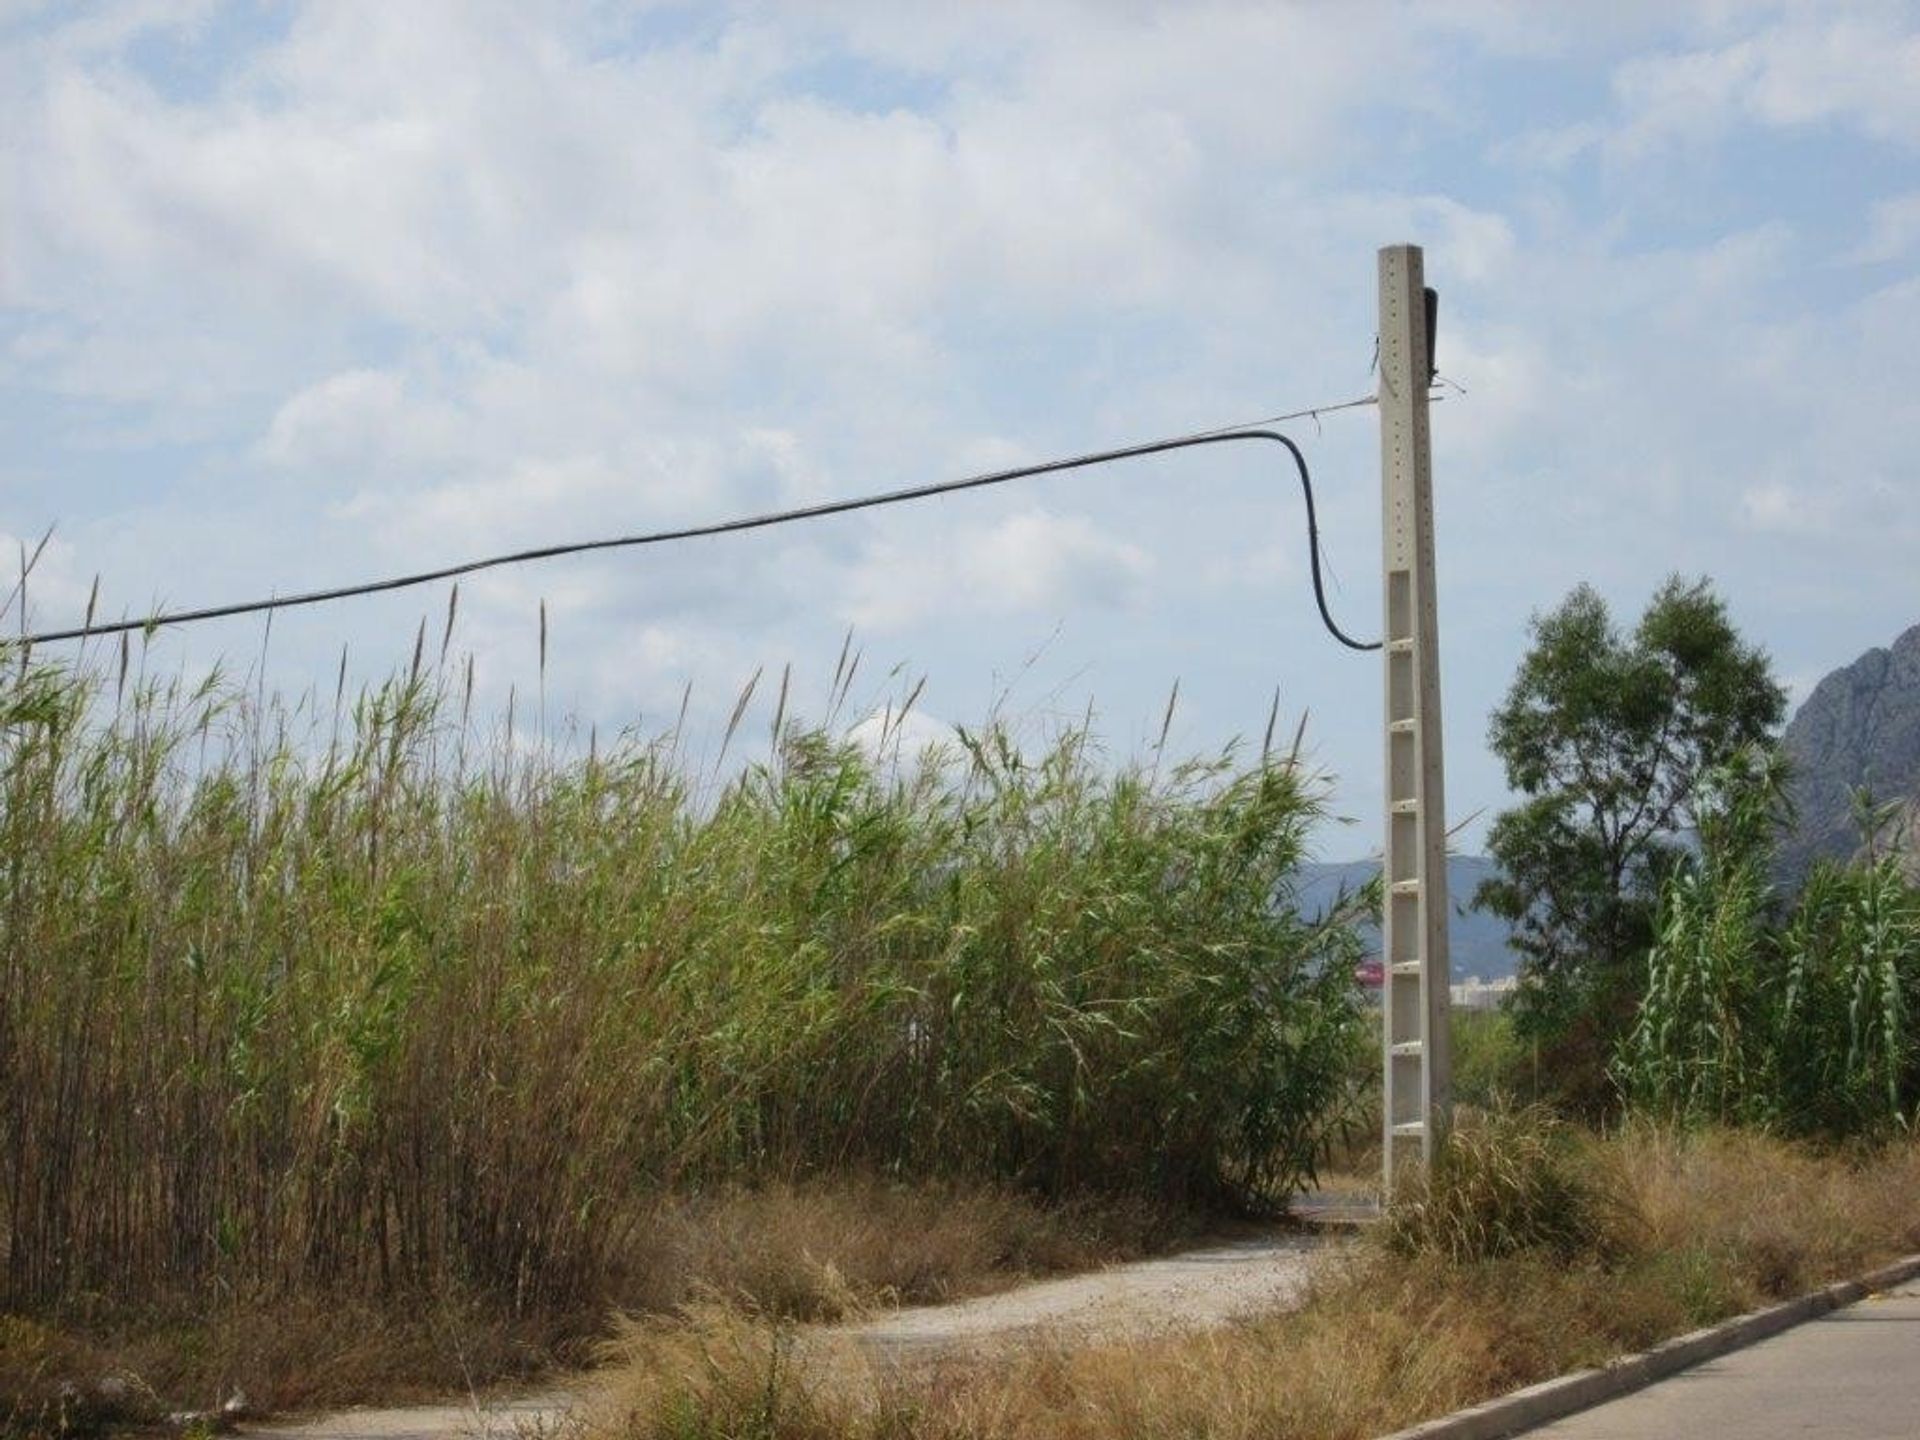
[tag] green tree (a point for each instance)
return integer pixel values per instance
(1607, 736)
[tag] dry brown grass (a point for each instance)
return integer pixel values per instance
(1381, 1344)
(1730, 1221)
(1782, 1217)
(781, 1252)
(38, 1393)
(823, 1250)
(77, 1371)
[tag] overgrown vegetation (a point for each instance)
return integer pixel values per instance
(1660, 968)
(372, 1007)
(1660, 965)
(1720, 1222)
(1807, 1021)
(374, 1054)
(1606, 737)
(818, 1250)
(1493, 1066)
(1511, 1182)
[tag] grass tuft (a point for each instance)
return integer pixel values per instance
(826, 1250)
(1507, 1182)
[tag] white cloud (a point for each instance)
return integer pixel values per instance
(1775, 505)
(1033, 561)
(458, 169)
(1893, 230)
(1553, 147)
(1037, 559)
(358, 418)
(407, 284)
(1853, 66)
(890, 737)
(46, 569)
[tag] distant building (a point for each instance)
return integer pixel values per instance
(1476, 994)
(1473, 993)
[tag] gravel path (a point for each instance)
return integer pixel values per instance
(502, 1419)
(1193, 1290)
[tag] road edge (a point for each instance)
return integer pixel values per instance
(1565, 1395)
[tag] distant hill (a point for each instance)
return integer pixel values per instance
(1478, 942)
(1860, 726)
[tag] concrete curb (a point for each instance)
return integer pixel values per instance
(1565, 1394)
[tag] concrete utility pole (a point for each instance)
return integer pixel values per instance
(1415, 995)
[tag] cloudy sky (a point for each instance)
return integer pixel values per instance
(297, 294)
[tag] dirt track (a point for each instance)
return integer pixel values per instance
(1194, 1290)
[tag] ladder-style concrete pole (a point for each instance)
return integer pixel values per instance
(1415, 994)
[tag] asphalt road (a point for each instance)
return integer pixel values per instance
(1853, 1374)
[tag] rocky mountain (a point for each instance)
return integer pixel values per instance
(1905, 832)
(1860, 726)
(1477, 943)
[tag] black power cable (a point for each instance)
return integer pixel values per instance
(750, 522)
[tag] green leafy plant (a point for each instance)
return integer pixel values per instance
(1805, 1025)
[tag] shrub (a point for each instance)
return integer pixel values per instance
(1510, 1182)
(1491, 1063)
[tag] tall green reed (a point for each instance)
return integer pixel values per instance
(1804, 1023)
(292, 1000)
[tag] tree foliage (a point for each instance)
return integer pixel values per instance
(1606, 736)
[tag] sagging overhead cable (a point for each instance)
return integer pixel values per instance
(764, 521)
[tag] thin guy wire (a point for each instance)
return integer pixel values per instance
(1312, 412)
(760, 522)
